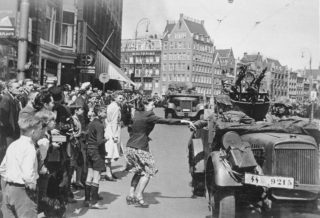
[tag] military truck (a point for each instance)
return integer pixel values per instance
(255, 168)
(184, 105)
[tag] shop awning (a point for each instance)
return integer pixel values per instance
(104, 65)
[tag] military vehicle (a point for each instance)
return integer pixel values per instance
(184, 105)
(256, 168)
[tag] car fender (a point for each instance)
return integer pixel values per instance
(221, 175)
(198, 155)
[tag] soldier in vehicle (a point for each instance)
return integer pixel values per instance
(279, 111)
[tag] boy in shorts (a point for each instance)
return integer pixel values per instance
(95, 157)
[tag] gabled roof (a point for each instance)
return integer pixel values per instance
(7, 21)
(313, 72)
(250, 58)
(224, 53)
(196, 28)
(169, 28)
(276, 62)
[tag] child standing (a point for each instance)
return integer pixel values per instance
(95, 157)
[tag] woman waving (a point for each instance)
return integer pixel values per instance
(138, 154)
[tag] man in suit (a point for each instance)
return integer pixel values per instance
(9, 112)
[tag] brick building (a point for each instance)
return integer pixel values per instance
(144, 56)
(293, 87)
(223, 68)
(187, 55)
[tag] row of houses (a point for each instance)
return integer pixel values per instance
(185, 53)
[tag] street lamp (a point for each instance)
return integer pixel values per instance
(135, 43)
(311, 81)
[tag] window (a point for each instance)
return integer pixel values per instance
(165, 46)
(67, 29)
(157, 72)
(157, 59)
(170, 67)
(50, 33)
(156, 84)
(164, 77)
(171, 45)
(165, 56)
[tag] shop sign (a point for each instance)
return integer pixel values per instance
(85, 70)
(4, 33)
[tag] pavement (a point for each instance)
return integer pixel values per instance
(168, 193)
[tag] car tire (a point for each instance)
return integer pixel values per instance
(226, 205)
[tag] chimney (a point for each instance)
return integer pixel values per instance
(245, 54)
(202, 22)
(181, 16)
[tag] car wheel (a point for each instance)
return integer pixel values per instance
(226, 205)
(169, 116)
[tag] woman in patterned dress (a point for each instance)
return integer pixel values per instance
(138, 154)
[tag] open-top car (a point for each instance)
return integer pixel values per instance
(257, 166)
(246, 165)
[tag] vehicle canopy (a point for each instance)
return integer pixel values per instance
(290, 126)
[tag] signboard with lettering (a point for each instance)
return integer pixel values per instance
(4, 33)
(104, 78)
(313, 95)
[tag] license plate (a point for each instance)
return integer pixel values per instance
(186, 110)
(269, 181)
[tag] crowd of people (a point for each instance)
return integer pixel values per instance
(54, 139)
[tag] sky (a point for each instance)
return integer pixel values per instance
(286, 30)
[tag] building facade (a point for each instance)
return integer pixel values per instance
(64, 36)
(293, 87)
(256, 64)
(98, 21)
(300, 88)
(141, 61)
(223, 69)
(8, 40)
(278, 79)
(187, 55)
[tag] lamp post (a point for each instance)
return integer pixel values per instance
(311, 88)
(23, 39)
(135, 43)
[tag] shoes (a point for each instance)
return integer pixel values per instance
(86, 204)
(98, 206)
(110, 179)
(130, 200)
(141, 203)
(71, 200)
(100, 198)
(79, 185)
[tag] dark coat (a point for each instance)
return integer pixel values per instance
(9, 114)
(143, 124)
(84, 120)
